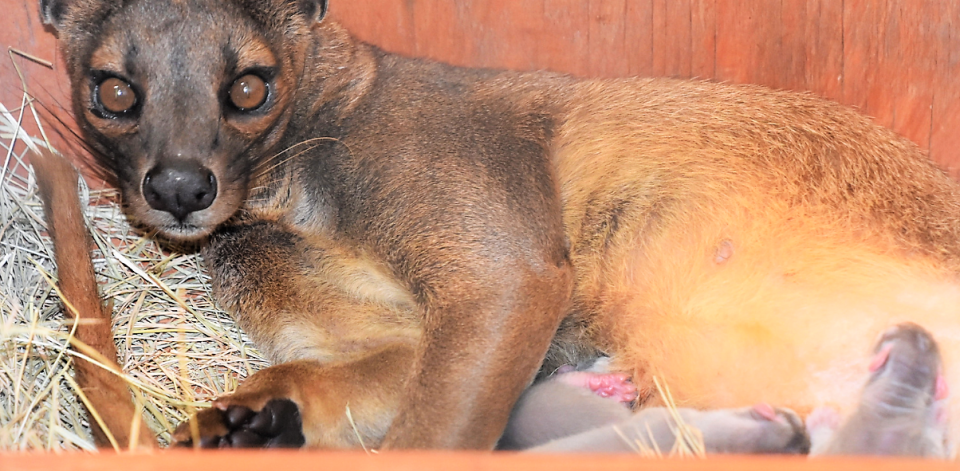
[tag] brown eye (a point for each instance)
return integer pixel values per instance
(248, 92)
(116, 96)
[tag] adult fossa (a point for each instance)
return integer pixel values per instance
(418, 240)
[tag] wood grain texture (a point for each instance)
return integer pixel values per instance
(22, 30)
(895, 60)
(945, 115)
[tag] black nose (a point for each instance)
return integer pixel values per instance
(179, 188)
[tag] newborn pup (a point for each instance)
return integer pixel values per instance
(572, 401)
(559, 415)
(757, 429)
(903, 407)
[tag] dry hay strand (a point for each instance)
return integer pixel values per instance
(688, 439)
(178, 351)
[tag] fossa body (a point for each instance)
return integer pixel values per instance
(418, 240)
(582, 409)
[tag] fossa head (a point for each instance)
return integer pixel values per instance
(180, 99)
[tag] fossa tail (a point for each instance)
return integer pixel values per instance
(107, 393)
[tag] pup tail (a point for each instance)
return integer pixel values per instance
(107, 394)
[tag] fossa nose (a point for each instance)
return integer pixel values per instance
(179, 187)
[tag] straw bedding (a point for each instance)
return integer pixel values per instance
(178, 350)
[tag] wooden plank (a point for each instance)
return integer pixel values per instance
(24, 31)
(671, 38)
(429, 461)
(866, 41)
(703, 38)
(748, 42)
(475, 34)
(823, 48)
(607, 30)
(512, 36)
(445, 39)
(386, 23)
(791, 38)
(563, 44)
(888, 63)
(945, 119)
(638, 37)
(911, 69)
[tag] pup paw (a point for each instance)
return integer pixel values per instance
(783, 429)
(747, 430)
(275, 425)
(758, 429)
(822, 423)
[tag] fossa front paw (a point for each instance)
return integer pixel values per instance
(276, 425)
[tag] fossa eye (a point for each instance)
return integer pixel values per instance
(248, 92)
(116, 96)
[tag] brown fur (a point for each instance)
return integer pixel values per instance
(106, 392)
(835, 223)
(719, 236)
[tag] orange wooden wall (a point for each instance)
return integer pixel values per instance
(254, 460)
(897, 60)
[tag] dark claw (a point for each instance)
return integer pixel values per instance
(799, 444)
(246, 439)
(284, 424)
(289, 439)
(263, 421)
(236, 416)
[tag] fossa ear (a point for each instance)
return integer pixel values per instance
(52, 12)
(314, 10)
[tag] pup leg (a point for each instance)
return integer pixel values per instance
(758, 429)
(585, 410)
(307, 403)
(903, 407)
